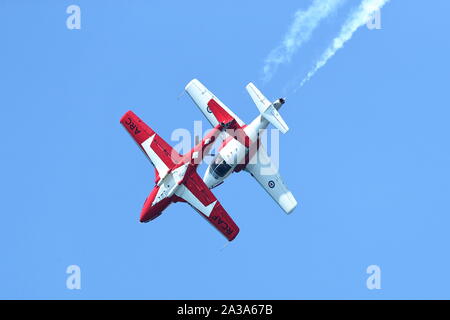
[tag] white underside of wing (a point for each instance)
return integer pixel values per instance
(187, 195)
(201, 96)
(154, 158)
(265, 172)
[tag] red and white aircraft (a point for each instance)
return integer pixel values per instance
(242, 149)
(176, 177)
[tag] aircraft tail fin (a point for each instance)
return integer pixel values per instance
(267, 109)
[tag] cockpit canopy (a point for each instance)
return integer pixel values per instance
(219, 168)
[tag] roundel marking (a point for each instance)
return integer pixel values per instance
(208, 109)
(271, 184)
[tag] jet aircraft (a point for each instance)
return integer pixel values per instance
(242, 148)
(176, 179)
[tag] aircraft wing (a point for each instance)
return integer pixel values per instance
(268, 177)
(202, 96)
(160, 153)
(196, 193)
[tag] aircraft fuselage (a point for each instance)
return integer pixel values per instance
(233, 154)
(165, 191)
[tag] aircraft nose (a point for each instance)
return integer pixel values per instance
(145, 213)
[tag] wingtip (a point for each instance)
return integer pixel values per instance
(288, 202)
(192, 82)
(291, 209)
(234, 235)
(249, 85)
(125, 115)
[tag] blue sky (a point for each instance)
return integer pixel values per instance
(367, 156)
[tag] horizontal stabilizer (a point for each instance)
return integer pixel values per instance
(266, 108)
(272, 115)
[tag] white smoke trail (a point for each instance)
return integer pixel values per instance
(305, 22)
(357, 19)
